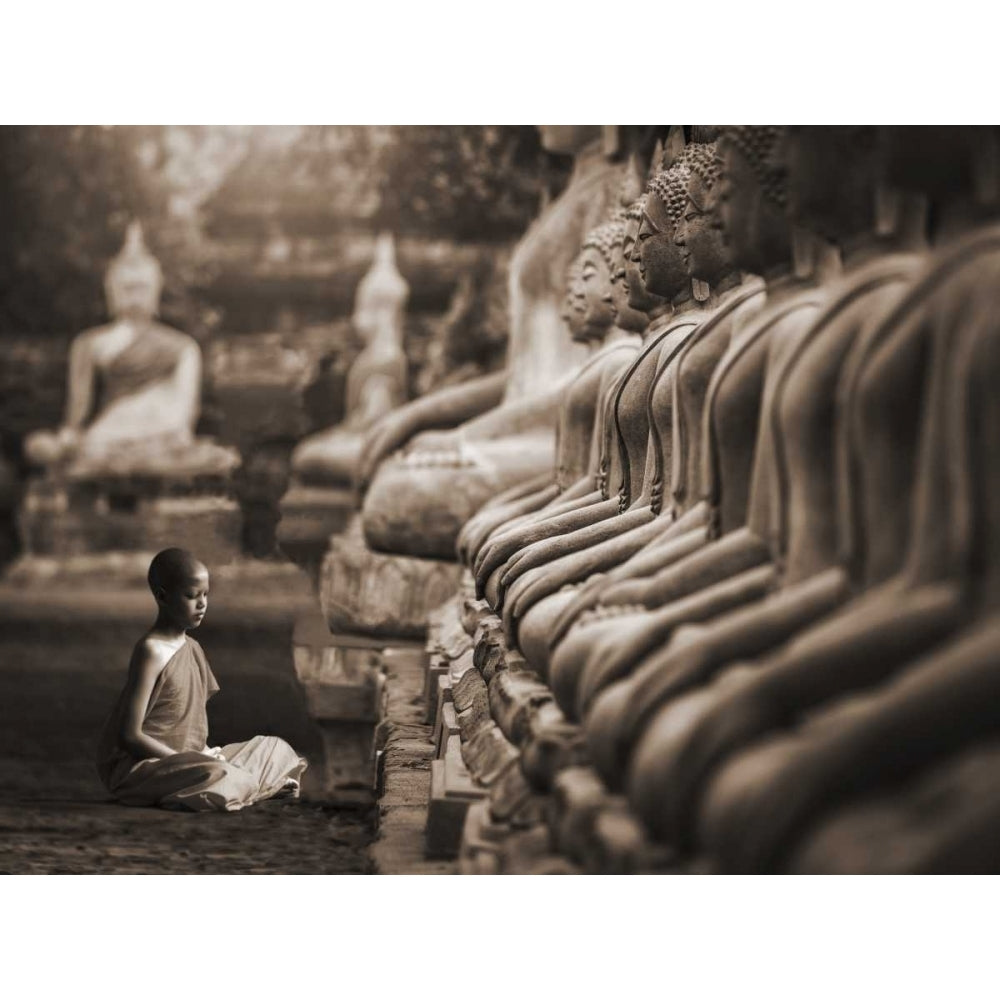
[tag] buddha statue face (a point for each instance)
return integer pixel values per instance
(751, 198)
(599, 303)
(134, 281)
(697, 234)
(568, 139)
(661, 262)
(640, 297)
(574, 304)
(627, 318)
(832, 175)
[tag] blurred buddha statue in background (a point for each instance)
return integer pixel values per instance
(376, 382)
(430, 465)
(134, 387)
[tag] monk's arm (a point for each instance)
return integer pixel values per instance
(143, 671)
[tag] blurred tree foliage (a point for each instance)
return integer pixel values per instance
(67, 194)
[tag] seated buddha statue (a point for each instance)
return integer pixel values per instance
(376, 382)
(677, 739)
(419, 498)
(716, 550)
(134, 387)
(636, 309)
(864, 716)
(597, 315)
(700, 608)
(541, 569)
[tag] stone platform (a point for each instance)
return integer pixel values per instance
(79, 515)
(371, 593)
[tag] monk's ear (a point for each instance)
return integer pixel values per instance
(160, 594)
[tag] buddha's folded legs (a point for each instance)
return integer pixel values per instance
(758, 805)
(945, 821)
(500, 512)
(693, 654)
(606, 664)
(668, 543)
(500, 549)
(692, 734)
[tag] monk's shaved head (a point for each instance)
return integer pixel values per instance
(172, 568)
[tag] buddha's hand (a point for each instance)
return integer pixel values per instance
(215, 752)
(381, 439)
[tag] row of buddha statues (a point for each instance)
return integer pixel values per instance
(735, 498)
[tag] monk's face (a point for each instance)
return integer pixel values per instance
(186, 602)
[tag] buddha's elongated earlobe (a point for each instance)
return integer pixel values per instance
(986, 167)
(701, 290)
(803, 253)
(887, 207)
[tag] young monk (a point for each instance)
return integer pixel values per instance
(154, 749)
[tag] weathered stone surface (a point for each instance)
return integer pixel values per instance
(459, 666)
(479, 852)
(509, 794)
(469, 689)
(454, 640)
(309, 516)
(578, 795)
(619, 845)
(452, 792)
(515, 699)
(447, 726)
(551, 746)
(525, 850)
(378, 594)
(437, 666)
(473, 719)
(490, 646)
(489, 754)
(66, 521)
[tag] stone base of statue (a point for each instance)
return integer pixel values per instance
(372, 593)
(309, 516)
(133, 503)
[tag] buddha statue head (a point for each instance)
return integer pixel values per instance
(574, 304)
(640, 297)
(661, 263)
(568, 139)
(380, 299)
(753, 197)
(597, 267)
(699, 237)
(833, 173)
(941, 161)
(133, 281)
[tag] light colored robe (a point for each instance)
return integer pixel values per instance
(190, 779)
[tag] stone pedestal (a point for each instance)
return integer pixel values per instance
(375, 594)
(75, 517)
(343, 678)
(309, 516)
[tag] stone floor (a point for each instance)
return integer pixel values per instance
(81, 835)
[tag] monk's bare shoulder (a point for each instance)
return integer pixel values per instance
(150, 656)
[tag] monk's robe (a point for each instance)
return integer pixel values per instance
(189, 779)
